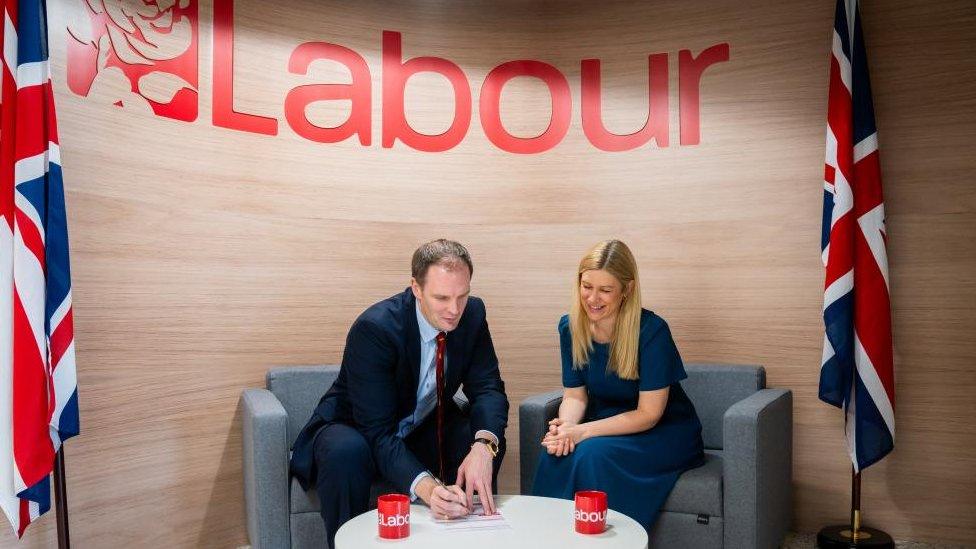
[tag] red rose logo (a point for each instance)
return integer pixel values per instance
(136, 54)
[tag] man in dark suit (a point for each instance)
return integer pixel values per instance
(391, 414)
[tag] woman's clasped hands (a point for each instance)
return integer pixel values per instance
(563, 436)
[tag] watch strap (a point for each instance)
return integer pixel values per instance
(492, 447)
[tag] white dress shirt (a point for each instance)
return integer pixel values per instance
(427, 390)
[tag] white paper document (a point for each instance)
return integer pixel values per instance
(475, 521)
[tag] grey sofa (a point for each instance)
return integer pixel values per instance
(741, 496)
(279, 513)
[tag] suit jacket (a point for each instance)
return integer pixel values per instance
(378, 379)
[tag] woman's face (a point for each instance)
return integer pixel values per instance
(600, 294)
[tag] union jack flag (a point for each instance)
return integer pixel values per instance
(38, 386)
(856, 372)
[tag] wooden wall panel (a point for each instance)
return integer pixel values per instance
(202, 256)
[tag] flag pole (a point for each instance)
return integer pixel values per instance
(855, 504)
(61, 500)
(846, 536)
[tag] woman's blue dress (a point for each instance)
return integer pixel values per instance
(637, 471)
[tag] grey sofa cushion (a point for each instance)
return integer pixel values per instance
(715, 387)
(299, 389)
(307, 531)
(699, 491)
(534, 413)
(683, 531)
(302, 501)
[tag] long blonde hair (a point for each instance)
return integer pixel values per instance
(614, 257)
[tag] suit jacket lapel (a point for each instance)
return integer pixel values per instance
(413, 338)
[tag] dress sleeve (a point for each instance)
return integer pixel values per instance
(571, 377)
(660, 362)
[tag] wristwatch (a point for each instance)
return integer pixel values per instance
(492, 447)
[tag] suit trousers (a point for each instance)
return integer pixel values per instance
(346, 469)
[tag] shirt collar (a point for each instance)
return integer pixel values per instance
(427, 332)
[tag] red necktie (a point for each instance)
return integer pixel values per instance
(439, 362)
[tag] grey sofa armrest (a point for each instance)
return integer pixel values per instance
(265, 464)
(534, 414)
(758, 469)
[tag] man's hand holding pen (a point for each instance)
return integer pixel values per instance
(445, 502)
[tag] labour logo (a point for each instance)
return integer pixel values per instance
(136, 54)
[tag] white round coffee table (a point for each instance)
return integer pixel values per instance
(536, 523)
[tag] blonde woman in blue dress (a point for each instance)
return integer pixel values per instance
(625, 425)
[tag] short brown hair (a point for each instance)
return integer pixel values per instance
(444, 252)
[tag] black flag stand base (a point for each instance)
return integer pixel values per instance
(61, 500)
(835, 537)
(853, 535)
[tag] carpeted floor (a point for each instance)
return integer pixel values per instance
(807, 541)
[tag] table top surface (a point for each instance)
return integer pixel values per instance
(536, 523)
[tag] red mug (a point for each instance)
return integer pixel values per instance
(591, 511)
(393, 516)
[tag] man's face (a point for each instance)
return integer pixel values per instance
(443, 296)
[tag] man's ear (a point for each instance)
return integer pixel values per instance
(415, 286)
